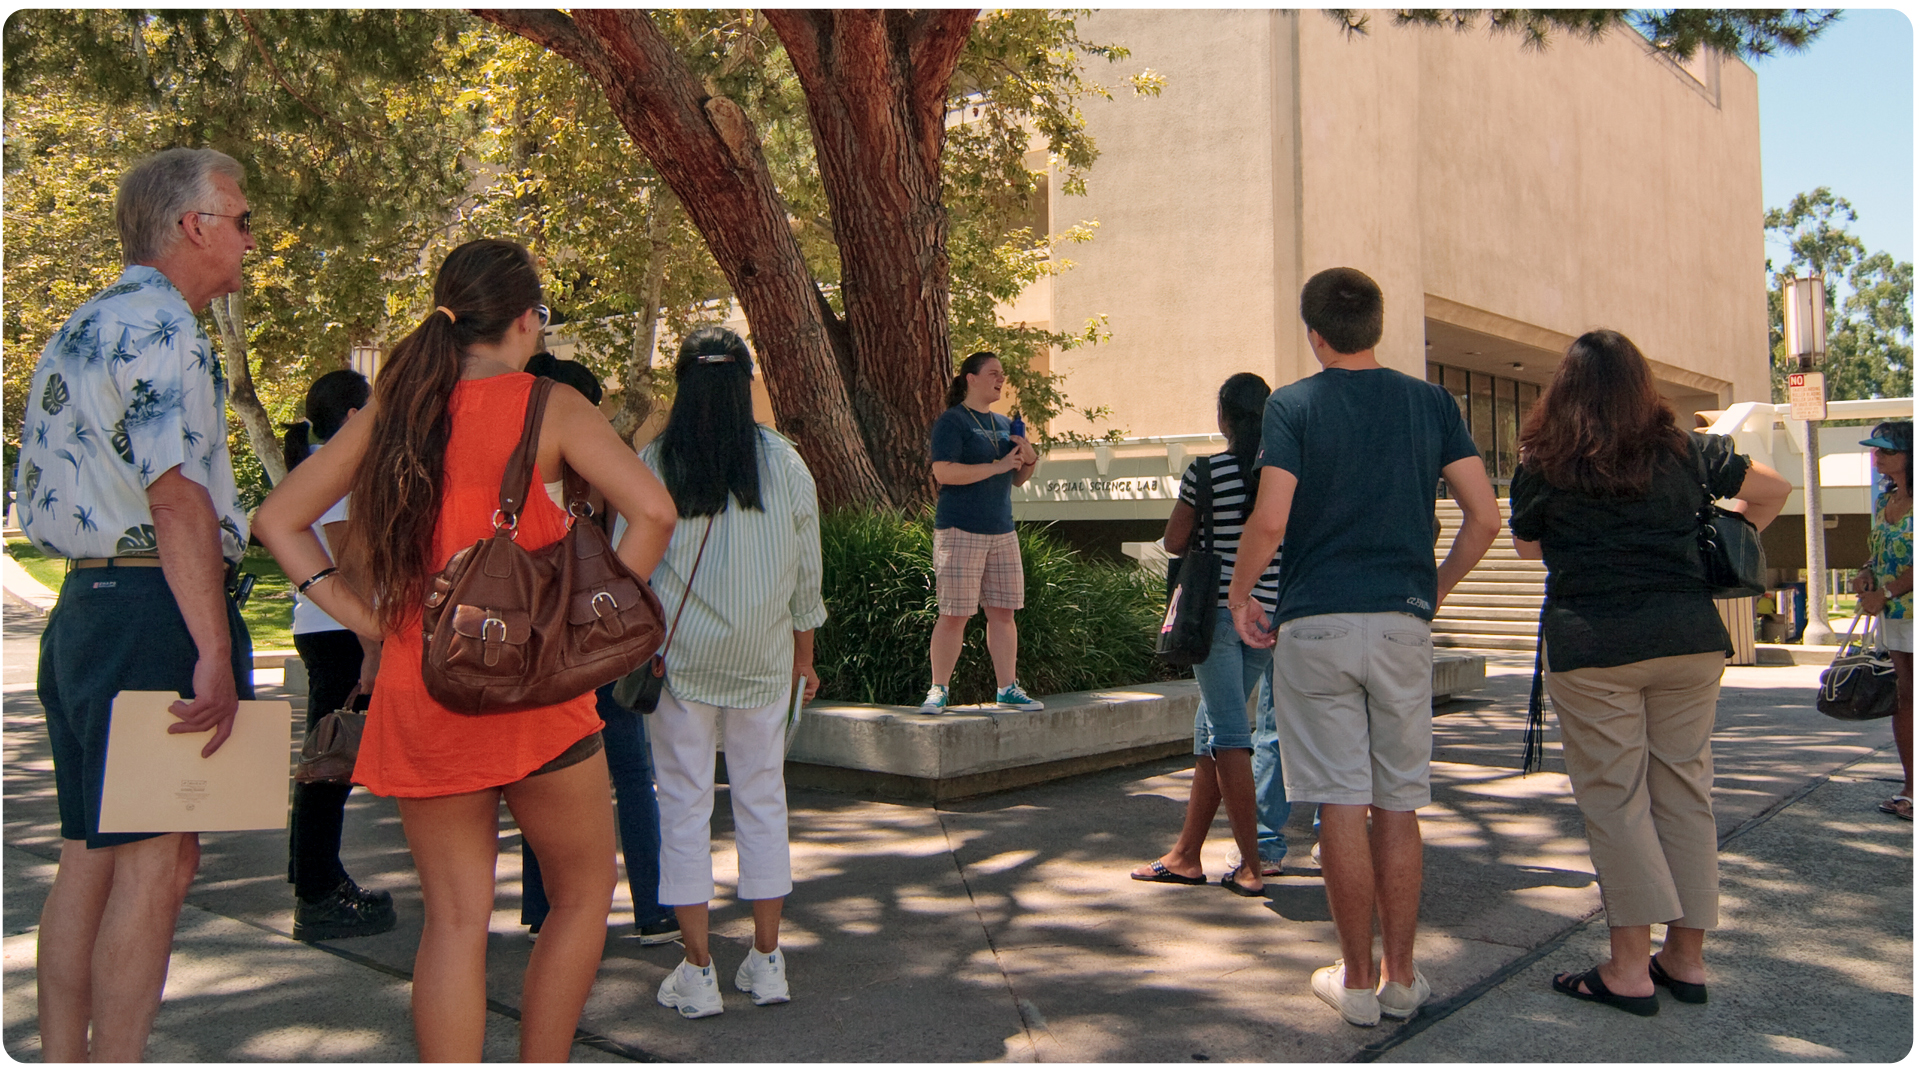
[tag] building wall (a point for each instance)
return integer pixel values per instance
(1182, 263)
(1523, 197)
(1595, 184)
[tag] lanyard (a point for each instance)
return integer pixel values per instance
(993, 436)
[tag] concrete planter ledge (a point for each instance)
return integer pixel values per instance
(894, 752)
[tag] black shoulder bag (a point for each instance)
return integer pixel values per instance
(1186, 634)
(1730, 550)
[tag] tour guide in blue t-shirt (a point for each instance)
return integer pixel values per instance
(1350, 460)
(977, 459)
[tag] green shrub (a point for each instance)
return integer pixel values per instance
(1086, 625)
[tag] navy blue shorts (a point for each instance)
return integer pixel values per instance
(115, 628)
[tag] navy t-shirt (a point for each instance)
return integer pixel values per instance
(974, 438)
(1367, 448)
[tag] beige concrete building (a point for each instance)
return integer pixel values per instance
(1506, 200)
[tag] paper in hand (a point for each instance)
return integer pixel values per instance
(158, 782)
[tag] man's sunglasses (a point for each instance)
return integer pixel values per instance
(243, 220)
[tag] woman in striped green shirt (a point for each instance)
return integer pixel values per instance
(744, 637)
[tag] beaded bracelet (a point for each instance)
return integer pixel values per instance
(316, 579)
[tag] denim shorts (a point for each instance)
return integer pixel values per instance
(1227, 677)
(115, 628)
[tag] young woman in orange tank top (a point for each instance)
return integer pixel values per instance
(423, 463)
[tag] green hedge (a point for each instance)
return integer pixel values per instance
(1086, 625)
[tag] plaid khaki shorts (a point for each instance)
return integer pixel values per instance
(976, 570)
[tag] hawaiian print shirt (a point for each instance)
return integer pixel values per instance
(129, 388)
(1892, 548)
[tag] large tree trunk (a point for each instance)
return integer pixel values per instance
(876, 90)
(636, 382)
(230, 316)
(707, 152)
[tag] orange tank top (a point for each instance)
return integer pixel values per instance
(414, 747)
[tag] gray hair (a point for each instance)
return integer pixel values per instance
(159, 190)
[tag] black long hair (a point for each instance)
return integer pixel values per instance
(711, 447)
(331, 397)
(957, 389)
(1243, 405)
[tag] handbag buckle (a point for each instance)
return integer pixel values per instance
(612, 604)
(488, 624)
(511, 526)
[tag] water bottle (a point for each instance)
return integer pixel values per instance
(1017, 426)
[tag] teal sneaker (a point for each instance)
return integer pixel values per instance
(936, 702)
(1012, 697)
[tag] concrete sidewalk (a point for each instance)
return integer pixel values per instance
(1004, 927)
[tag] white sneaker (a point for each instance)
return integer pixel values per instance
(1315, 854)
(763, 977)
(936, 702)
(1268, 867)
(1401, 1001)
(1357, 1007)
(691, 991)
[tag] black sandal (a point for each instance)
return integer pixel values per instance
(1238, 889)
(1588, 986)
(1691, 993)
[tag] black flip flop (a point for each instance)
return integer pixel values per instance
(1691, 993)
(1595, 990)
(1160, 873)
(1238, 889)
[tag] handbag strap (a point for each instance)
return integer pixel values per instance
(1203, 501)
(691, 574)
(517, 481)
(1697, 465)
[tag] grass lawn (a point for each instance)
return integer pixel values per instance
(269, 612)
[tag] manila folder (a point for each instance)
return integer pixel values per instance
(158, 782)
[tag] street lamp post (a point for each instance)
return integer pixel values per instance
(1805, 309)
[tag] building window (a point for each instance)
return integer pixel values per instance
(1494, 408)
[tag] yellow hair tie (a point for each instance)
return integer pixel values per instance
(450, 315)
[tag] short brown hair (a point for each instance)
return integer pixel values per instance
(1344, 306)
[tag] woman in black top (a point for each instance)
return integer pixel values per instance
(1607, 492)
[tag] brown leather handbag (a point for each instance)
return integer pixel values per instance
(331, 747)
(505, 628)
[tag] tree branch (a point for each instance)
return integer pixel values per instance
(260, 46)
(553, 29)
(933, 52)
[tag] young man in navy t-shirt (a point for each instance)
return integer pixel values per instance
(1350, 460)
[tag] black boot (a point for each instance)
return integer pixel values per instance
(347, 911)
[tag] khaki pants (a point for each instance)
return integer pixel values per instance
(1637, 747)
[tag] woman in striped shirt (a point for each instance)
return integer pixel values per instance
(1223, 736)
(749, 542)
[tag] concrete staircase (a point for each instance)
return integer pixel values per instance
(1498, 605)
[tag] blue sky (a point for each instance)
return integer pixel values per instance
(1840, 114)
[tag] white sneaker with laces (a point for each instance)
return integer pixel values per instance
(763, 977)
(691, 991)
(936, 702)
(1356, 1006)
(1399, 1000)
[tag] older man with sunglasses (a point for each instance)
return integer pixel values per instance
(124, 472)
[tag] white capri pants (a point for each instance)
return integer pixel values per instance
(683, 734)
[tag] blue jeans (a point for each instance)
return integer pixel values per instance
(630, 763)
(1228, 674)
(1269, 788)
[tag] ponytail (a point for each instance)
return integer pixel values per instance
(398, 486)
(1243, 405)
(294, 447)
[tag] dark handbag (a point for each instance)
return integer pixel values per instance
(504, 628)
(1858, 685)
(1186, 634)
(640, 688)
(1730, 549)
(332, 746)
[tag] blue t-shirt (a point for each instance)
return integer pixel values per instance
(1367, 448)
(974, 438)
